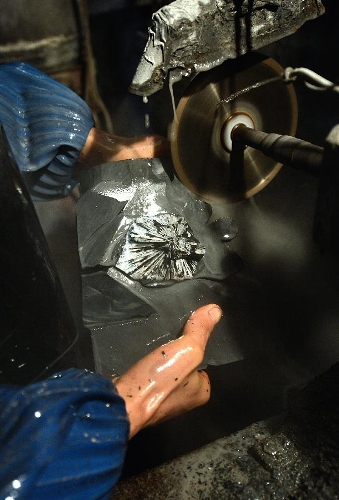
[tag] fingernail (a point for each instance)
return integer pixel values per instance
(215, 313)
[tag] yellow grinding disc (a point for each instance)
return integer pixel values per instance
(244, 90)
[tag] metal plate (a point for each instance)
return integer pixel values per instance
(200, 160)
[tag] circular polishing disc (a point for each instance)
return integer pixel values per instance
(232, 93)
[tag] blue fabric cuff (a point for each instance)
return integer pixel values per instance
(46, 125)
(64, 437)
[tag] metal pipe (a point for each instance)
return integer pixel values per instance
(282, 148)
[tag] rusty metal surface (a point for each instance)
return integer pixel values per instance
(54, 37)
(44, 33)
(197, 36)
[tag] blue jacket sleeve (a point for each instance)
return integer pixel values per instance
(65, 437)
(46, 125)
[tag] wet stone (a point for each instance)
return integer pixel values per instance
(161, 247)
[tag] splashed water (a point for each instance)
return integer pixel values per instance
(241, 92)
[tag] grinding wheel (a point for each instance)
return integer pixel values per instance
(212, 104)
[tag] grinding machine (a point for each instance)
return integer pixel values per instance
(235, 122)
(234, 127)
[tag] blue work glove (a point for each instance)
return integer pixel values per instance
(46, 125)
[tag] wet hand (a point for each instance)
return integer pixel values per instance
(101, 147)
(166, 382)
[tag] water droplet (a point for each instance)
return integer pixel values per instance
(16, 484)
(225, 228)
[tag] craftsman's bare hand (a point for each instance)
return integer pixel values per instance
(101, 147)
(166, 382)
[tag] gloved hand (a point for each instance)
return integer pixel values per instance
(49, 128)
(46, 125)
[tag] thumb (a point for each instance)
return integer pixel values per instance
(200, 324)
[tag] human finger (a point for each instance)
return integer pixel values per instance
(148, 384)
(198, 328)
(192, 392)
(150, 146)
(101, 147)
(178, 358)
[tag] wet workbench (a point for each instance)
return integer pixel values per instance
(291, 456)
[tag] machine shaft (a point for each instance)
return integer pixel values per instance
(282, 148)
